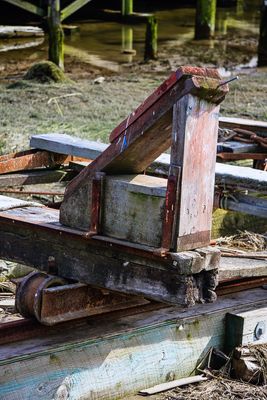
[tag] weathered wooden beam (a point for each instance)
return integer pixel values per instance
(246, 328)
(236, 147)
(56, 34)
(20, 31)
(72, 8)
(233, 268)
(36, 238)
(26, 5)
(32, 177)
(244, 123)
(30, 160)
(94, 357)
(231, 175)
(66, 144)
(146, 133)
(115, 15)
(243, 203)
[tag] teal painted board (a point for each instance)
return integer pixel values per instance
(111, 368)
(110, 357)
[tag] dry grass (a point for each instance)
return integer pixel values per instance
(248, 241)
(219, 389)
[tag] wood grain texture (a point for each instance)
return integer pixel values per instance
(33, 236)
(244, 328)
(231, 175)
(143, 141)
(109, 357)
(194, 150)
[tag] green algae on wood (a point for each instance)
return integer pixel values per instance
(151, 42)
(127, 7)
(205, 19)
(56, 34)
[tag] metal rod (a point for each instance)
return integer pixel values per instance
(228, 81)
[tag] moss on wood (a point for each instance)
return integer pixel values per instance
(45, 72)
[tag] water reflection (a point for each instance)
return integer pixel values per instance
(116, 43)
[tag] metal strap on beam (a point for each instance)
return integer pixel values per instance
(26, 5)
(72, 8)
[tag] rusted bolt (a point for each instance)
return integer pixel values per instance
(259, 330)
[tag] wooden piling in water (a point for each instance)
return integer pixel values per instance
(262, 47)
(56, 34)
(127, 7)
(205, 19)
(151, 41)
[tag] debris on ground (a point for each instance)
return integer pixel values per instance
(248, 241)
(219, 388)
(229, 382)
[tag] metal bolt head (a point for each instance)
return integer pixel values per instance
(259, 330)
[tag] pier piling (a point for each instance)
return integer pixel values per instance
(151, 41)
(56, 34)
(262, 48)
(205, 19)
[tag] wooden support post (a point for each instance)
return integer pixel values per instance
(240, 7)
(205, 19)
(262, 48)
(56, 34)
(151, 43)
(127, 40)
(127, 7)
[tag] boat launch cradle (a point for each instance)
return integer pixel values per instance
(121, 230)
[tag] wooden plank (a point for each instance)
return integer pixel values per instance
(32, 177)
(231, 175)
(66, 144)
(39, 159)
(94, 358)
(249, 327)
(241, 177)
(159, 92)
(163, 387)
(20, 31)
(26, 5)
(249, 124)
(72, 8)
(242, 156)
(238, 147)
(232, 268)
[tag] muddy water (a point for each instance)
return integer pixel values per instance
(109, 43)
